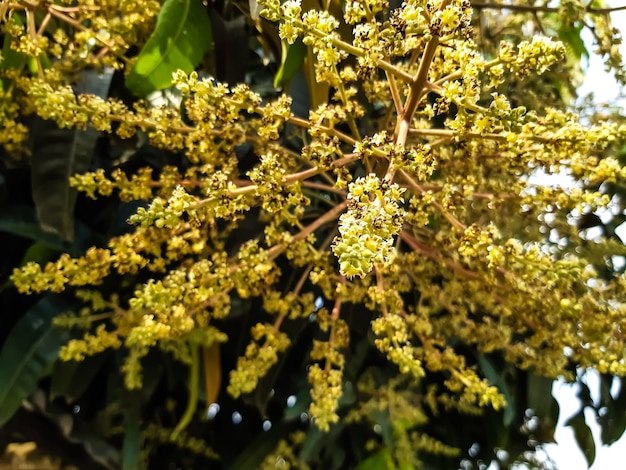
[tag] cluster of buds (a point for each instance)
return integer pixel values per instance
(367, 229)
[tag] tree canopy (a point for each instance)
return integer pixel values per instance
(308, 234)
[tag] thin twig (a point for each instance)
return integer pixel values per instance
(537, 8)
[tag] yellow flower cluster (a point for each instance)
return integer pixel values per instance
(367, 229)
(410, 168)
(258, 360)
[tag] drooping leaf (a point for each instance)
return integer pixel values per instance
(27, 354)
(583, 436)
(180, 39)
(59, 154)
(292, 59)
(211, 361)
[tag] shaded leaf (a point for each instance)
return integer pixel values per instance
(583, 436)
(292, 59)
(27, 354)
(180, 39)
(59, 154)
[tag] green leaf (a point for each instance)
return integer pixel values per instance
(59, 154)
(571, 37)
(381, 460)
(292, 59)
(30, 349)
(583, 436)
(181, 38)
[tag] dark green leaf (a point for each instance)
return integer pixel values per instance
(291, 61)
(59, 154)
(29, 351)
(181, 38)
(583, 436)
